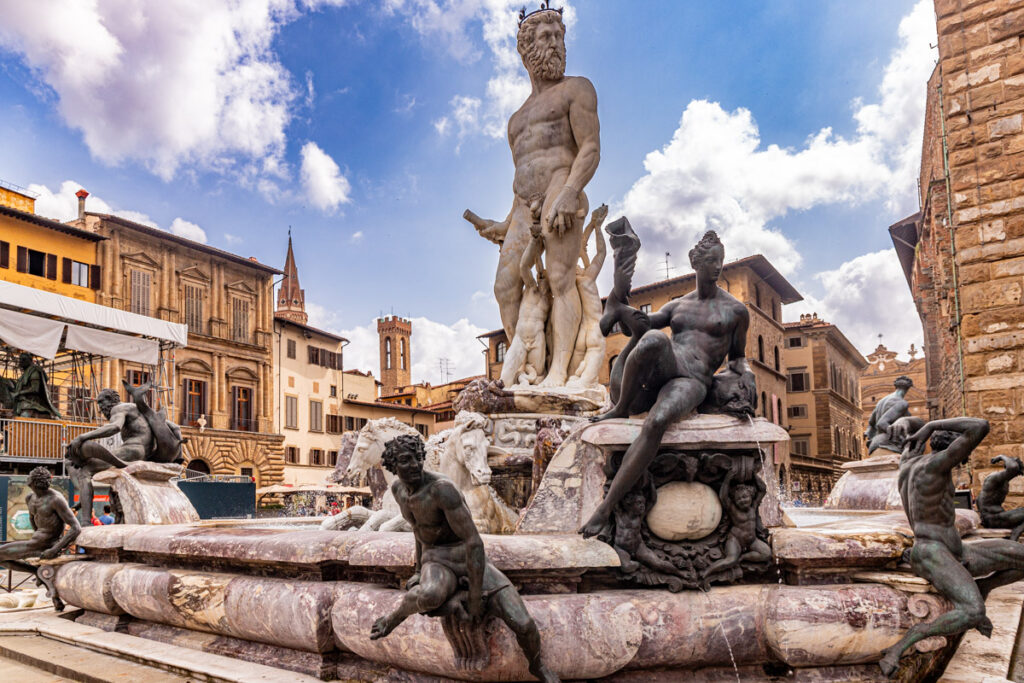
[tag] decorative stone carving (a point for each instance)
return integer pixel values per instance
(685, 510)
(491, 397)
(888, 409)
(549, 437)
(147, 495)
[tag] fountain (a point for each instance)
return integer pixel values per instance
(686, 568)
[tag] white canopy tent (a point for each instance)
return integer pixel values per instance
(34, 320)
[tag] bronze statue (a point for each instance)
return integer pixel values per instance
(453, 578)
(30, 395)
(938, 554)
(669, 377)
(742, 544)
(145, 435)
(994, 491)
(889, 409)
(49, 515)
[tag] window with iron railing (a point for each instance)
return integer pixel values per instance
(242, 414)
(194, 403)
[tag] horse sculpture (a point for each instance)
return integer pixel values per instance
(460, 453)
(366, 455)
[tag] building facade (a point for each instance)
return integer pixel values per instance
(962, 252)
(45, 254)
(877, 381)
(824, 409)
(307, 385)
(221, 387)
(752, 280)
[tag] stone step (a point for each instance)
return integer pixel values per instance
(46, 659)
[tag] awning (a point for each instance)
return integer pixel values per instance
(38, 336)
(40, 303)
(138, 349)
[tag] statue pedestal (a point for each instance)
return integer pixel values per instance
(869, 484)
(147, 494)
(573, 485)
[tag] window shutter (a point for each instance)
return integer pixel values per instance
(5, 255)
(51, 266)
(94, 277)
(65, 275)
(22, 259)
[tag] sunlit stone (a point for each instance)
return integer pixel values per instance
(685, 510)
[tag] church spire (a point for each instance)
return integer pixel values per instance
(291, 299)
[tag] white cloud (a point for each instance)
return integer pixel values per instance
(62, 205)
(169, 84)
(431, 341)
(325, 186)
(716, 173)
(356, 237)
(188, 230)
(865, 297)
(449, 24)
(232, 240)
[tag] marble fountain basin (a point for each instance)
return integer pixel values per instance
(304, 600)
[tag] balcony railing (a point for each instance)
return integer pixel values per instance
(245, 424)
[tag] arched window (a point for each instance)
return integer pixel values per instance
(387, 353)
(778, 410)
(499, 352)
(777, 363)
(764, 405)
(837, 450)
(760, 348)
(401, 354)
(757, 296)
(198, 465)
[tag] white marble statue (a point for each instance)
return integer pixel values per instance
(460, 453)
(525, 360)
(588, 356)
(555, 142)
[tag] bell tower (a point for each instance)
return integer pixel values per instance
(395, 353)
(291, 299)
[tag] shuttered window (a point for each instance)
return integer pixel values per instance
(51, 266)
(316, 416)
(75, 273)
(291, 348)
(240, 320)
(291, 412)
(5, 254)
(194, 309)
(316, 456)
(140, 298)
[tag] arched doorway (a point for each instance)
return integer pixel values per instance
(198, 465)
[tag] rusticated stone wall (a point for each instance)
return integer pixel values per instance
(968, 273)
(228, 452)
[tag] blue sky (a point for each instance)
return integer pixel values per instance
(792, 127)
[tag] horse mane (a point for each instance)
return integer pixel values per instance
(375, 428)
(468, 419)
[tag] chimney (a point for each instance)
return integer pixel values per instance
(81, 194)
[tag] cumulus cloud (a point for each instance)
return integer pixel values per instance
(449, 24)
(431, 341)
(717, 173)
(325, 186)
(865, 297)
(62, 205)
(356, 237)
(168, 84)
(188, 230)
